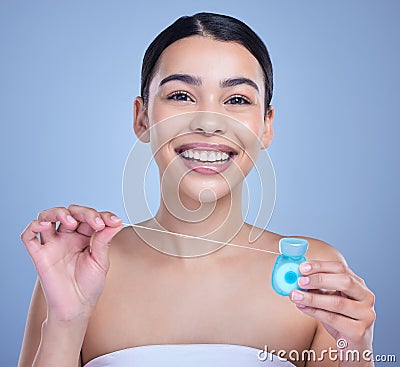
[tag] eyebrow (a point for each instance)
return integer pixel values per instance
(231, 82)
(185, 78)
(196, 81)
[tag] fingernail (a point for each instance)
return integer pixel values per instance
(297, 296)
(99, 221)
(71, 219)
(115, 218)
(305, 267)
(299, 305)
(44, 223)
(304, 280)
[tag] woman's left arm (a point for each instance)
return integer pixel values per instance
(346, 313)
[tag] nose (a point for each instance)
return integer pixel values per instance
(208, 123)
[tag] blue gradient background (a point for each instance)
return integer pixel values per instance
(69, 73)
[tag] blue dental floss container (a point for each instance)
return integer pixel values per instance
(286, 269)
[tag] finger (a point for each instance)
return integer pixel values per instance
(110, 219)
(100, 245)
(316, 266)
(353, 329)
(87, 215)
(343, 282)
(361, 280)
(62, 215)
(333, 303)
(85, 229)
(48, 233)
(29, 236)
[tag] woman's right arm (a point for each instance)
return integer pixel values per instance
(72, 263)
(36, 316)
(34, 331)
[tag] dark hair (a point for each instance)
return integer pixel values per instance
(217, 26)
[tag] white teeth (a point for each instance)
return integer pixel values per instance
(206, 156)
(203, 156)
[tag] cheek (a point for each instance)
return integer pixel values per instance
(160, 136)
(256, 124)
(250, 135)
(163, 132)
(166, 122)
(158, 110)
(253, 144)
(159, 113)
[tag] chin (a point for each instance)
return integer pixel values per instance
(206, 189)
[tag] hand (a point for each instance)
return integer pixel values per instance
(348, 312)
(71, 260)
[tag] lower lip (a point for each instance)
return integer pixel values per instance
(207, 168)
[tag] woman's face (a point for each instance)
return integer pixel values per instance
(205, 114)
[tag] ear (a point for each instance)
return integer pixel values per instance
(140, 120)
(268, 133)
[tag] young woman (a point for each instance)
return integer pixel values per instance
(104, 297)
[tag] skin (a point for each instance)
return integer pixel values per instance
(224, 297)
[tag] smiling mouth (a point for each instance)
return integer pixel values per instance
(206, 158)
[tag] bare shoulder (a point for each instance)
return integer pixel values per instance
(127, 250)
(317, 249)
(321, 250)
(124, 243)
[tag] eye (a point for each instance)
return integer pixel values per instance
(238, 100)
(180, 96)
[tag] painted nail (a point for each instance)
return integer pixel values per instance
(45, 223)
(99, 221)
(297, 296)
(305, 267)
(71, 219)
(115, 218)
(304, 280)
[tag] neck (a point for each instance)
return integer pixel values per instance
(220, 220)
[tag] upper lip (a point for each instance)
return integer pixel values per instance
(206, 146)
